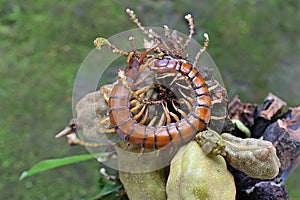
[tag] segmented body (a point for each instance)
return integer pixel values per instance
(177, 133)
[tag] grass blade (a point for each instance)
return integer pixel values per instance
(54, 163)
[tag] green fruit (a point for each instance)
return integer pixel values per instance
(137, 173)
(193, 175)
(149, 185)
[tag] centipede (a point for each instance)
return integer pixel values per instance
(157, 137)
(128, 112)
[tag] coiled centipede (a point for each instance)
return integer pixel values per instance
(181, 131)
(127, 124)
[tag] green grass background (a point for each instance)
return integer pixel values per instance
(255, 45)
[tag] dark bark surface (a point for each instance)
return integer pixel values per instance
(282, 129)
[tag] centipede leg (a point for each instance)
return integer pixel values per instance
(158, 152)
(212, 87)
(184, 87)
(104, 121)
(142, 80)
(162, 120)
(146, 115)
(175, 117)
(217, 118)
(190, 99)
(106, 92)
(137, 116)
(141, 152)
(166, 75)
(133, 102)
(153, 120)
(178, 77)
(136, 108)
(144, 89)
(147, 63)
(188, 104)
(111, 130)
(166, 113)
(178, 110)
(105, 131)
(126, 145)
(217, 101)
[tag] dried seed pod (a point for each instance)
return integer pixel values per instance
(193, 175)
(256, 158)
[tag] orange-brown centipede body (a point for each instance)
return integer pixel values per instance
(178, 132)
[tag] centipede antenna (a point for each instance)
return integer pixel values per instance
(201, 51)
(179, 43)
(189, 18)
(132, 45)
(169, 37)
(136, 21)
(158, 39)
(99, 42)
(150, 33)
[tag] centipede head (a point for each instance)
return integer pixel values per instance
(133, 65)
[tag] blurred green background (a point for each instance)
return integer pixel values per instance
(255, 44)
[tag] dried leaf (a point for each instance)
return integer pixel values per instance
(292, 123)
(272, 106)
